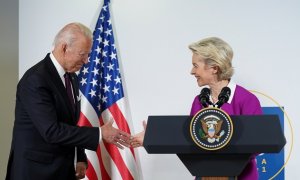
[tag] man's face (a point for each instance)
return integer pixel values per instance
(77, 54)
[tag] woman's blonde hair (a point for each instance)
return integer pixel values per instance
(217, 53)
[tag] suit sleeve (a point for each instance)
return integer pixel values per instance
(81, 156)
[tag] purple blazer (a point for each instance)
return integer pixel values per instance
(241, 102)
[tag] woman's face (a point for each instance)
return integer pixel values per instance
(204, 74)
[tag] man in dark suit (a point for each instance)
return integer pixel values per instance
(45, 134)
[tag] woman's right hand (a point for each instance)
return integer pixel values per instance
(138, 139)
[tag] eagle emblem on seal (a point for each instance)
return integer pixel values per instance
(211, 126)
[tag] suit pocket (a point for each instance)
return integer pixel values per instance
(37, 156)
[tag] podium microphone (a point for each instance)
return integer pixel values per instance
(223, 96)
(204, 97)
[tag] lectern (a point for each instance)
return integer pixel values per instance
(251, 135)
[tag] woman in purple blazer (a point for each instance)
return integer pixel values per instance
(212, 68)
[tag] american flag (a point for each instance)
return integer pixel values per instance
(102, 98)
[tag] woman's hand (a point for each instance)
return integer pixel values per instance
(138, 139)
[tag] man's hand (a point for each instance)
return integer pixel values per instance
(115, 136)
(80, 170)
(138, 139)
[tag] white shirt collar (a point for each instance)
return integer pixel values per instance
(58, 67)
(232, 86)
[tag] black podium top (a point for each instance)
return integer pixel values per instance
(251, 134)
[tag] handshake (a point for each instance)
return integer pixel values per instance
(120, 138)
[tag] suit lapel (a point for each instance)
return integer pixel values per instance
(59, 86)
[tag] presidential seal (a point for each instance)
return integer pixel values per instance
(211, 128)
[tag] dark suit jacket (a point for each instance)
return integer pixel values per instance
(45, 133)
